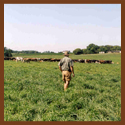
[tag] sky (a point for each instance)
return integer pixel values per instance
(59, 27)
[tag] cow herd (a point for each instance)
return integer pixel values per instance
(57, 60)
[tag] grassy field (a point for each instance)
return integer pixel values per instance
(34, 91)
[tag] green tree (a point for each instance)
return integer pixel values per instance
(78, 51)
(5, 48)
(102, 48)
(92, 48)
(7, 53)
(116, 48)
(85, 51)
(108, 48)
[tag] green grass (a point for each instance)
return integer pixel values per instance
(34, 91)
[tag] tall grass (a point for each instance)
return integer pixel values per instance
(34, 91)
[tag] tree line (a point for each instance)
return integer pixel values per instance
(8, 52)
(93, 49)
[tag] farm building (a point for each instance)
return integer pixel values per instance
(101, 52)
(116, 51)
(65, 51)
(109, 52)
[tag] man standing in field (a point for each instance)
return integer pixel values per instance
(66, 67)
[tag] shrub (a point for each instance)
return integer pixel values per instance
(78, 51)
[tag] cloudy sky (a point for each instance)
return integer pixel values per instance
(58, 27)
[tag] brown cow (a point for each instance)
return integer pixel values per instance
(101, 61)
(26, 60)
(94, 61)
(6, 58)
(46, 59)
(12, 58)
(87, 61)
(33, 59)
(53, 60)
(105, 61)
(75, 60)
(97, 61)
(58, 60)
(108, 61)
(81, 60)
(9, 58)
(38, 59)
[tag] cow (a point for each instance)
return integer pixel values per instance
(75, 60)
(11, 58)
(53, 60)
(26, 60)
(58, 60)
(108, 61)
(94, 61)
(6, 58)
(19, 59)
(46, 59)
(101, 61)
(81, 60)
(105, 62)
(38, 59)
(87, 61)
(97, 61)
(41, 60)
(33, 59)
(14, 59)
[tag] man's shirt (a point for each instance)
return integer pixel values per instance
(65, 64)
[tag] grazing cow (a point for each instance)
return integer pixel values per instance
(87, 61)
(11, 58)
(53, 60)
(94, 61)
(58, 60)
(33, 59)
(108, 61)
(38, 59)
(6, 58)
(101, 61)
(75, 60)
(41, 60)
(14, 59)
(46, 59)
(81, 60)
(19, 59)
(105, 61)
(26, 60)
(97, 61)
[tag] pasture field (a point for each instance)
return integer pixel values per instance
(34, 91)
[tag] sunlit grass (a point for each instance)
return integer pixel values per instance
(34, 91)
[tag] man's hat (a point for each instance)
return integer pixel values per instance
(66, 53)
